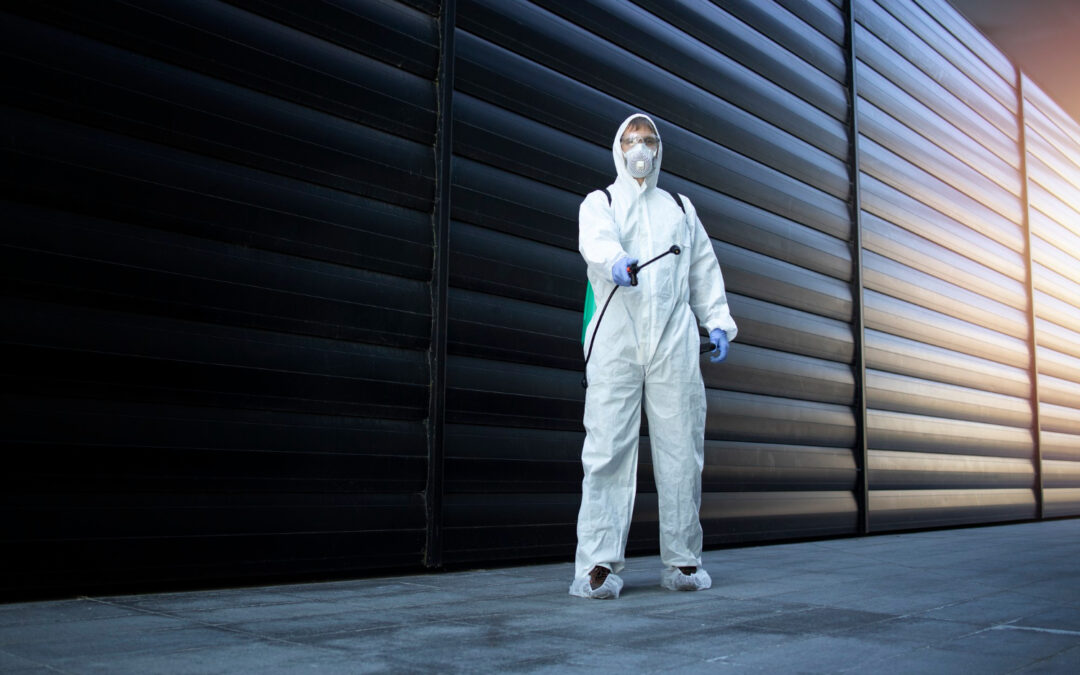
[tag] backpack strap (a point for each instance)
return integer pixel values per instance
(608, 195)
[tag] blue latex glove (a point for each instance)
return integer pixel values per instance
(718, 337)
(618, 271)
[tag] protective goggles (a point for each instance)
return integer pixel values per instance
(633, 139)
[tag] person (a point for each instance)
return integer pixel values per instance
(647, 351)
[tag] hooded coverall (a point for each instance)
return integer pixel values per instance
(647, 342)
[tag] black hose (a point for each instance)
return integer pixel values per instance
(634, 269)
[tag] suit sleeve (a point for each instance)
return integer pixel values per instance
(598, 236)
(708, 298)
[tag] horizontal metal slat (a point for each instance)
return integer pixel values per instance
(1062, 312)
(982, 147)
(894, 206)
(937, 29)
(1060, 392)
(492, 459)
(1060, 164)
(960, 28)
(1049, 120)
(764, 278)
(1052, 246)
(512, 394)
(497, 263)
(774, 373)
(766, 52)
(543, 524)
(493, 74)
(502, 329)
(1062, 419)
(97, 566)
(1043, 201)
(1059, 364)
(486, 133)
(1059, 446)
(922, 56)
(826, 16)
(103, 516)
(1058, 502)
(395, 170)
(813, 30)
(231, 44)
(992, 183)
(390, 31)
(137, 447)
(1055, 187)
(892, 315)
(925, 290)
(767, 419)
(790, 330)
(732, 466)
(548, 39)
(926, 255)
(113, 265)
(890, 470)
(756, 516)
(895, 354)
(919, 433)
(1056, 338)
(172, 361)
(1057, 474)
(111, 176)
(498, 200)
(753, 228)
(896, 171)
(750, 182)
(172, 105)
(489, 459)
(910, 509)
(900, 393)
(881, 58)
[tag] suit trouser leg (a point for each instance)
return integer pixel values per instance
(609, 458)
(676, 414)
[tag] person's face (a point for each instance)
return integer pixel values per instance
(639, 134)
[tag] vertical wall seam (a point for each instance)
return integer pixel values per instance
(1029, 283)
(862, 486)
(433, 494)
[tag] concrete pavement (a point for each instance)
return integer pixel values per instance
(999, 599)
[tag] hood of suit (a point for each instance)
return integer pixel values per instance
(624, 176)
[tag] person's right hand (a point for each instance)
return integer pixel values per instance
(619, 272)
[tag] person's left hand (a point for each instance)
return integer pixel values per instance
(718, 337)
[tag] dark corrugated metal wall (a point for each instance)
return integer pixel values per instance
(754, 129)
(948, 426)
(221, 227)
(217, 247)
(1053, 172)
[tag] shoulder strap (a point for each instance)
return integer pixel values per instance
(678, 198)
(608, 195)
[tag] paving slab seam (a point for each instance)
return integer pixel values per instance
(1034, 629)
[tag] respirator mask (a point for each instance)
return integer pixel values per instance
(642, 153)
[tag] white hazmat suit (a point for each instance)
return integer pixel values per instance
(647, 342)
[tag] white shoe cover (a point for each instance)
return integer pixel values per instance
(674, 580)
(610, 589)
